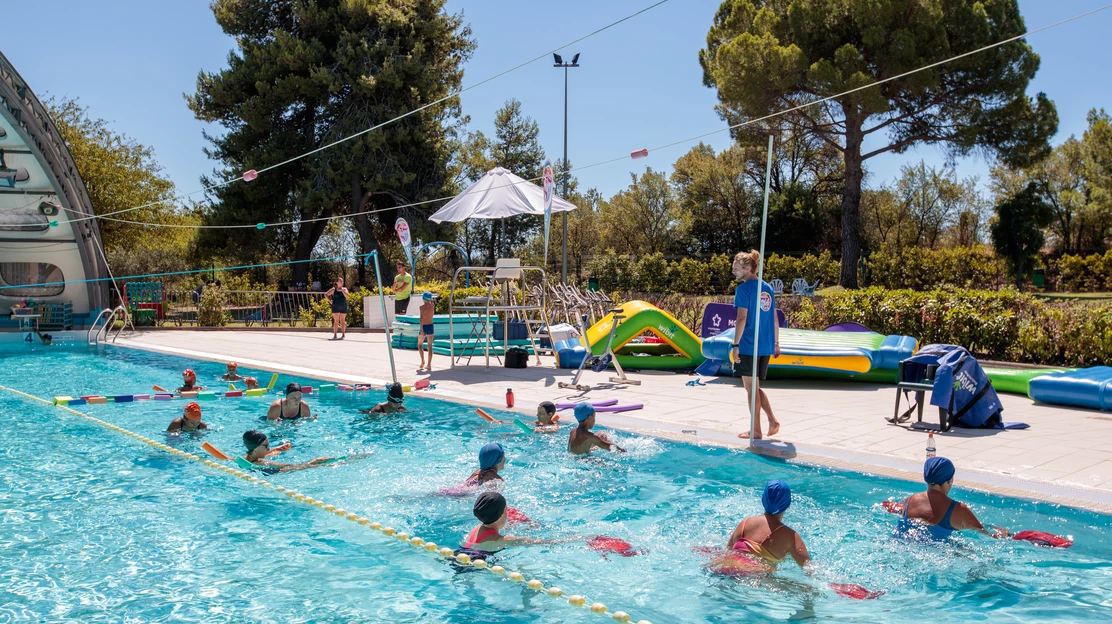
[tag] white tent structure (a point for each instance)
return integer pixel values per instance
(497, 195)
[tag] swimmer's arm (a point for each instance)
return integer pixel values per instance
(967, 520)
(274, 412)
(175, 425)
(602, 442)
(280, 449)
(202, 426)
(799, 552)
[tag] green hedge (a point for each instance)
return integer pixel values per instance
(924, 269)
(1083, 273)
(1004, 324)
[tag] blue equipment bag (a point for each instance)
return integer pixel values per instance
(961, 387)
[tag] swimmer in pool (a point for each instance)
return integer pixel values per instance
(252, 383)
(258, 448)
(582, 439)
(291, 407)
(233, 373)
(189, 381)
(759, 543)
(492, 458)
(933, 513)
(394, 401)
(546, 418)
(487, 539)
(190, 420)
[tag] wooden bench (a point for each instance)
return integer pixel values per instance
(920, 388)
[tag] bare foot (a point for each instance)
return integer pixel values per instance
(773, 427)
(745, 436)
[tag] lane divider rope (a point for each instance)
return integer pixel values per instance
(574, 600)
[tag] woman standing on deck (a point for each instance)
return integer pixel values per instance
(338, 296)
(746, 299)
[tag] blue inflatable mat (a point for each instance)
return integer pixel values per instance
(1086, 387)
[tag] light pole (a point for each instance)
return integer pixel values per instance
(559, 62)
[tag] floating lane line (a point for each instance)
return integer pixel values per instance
(574, 600)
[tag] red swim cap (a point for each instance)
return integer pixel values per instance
(193, 408)
(188, 374)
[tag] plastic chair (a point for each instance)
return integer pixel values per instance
(777, 286)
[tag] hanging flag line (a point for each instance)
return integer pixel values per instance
(250, 175)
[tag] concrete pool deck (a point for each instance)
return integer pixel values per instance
(1065, 457)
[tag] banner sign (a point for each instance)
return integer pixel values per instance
(402, 228)
(717, 318)
(549, 189)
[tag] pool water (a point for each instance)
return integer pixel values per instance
(95, 526)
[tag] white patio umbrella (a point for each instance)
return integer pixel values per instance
(497, 195)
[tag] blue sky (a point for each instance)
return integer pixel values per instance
(639, 85)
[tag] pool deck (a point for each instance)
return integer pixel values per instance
(1065, 456)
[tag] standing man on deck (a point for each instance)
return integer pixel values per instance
(403, 287)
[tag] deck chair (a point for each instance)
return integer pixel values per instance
(777, 286)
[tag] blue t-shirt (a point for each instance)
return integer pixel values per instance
(746, 297)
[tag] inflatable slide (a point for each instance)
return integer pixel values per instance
(858, 355)
(678, 348)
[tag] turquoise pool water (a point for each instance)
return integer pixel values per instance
(97, 527)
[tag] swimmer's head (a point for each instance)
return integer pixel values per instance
(490, 508)
(491, 455)
(777, 497)
(426, 296)
(232, 367)
(938, 471)
(395, 394)
(253, 439)
(293, 388)
(189, 375)
(193, 411)
(251, 382)
(545, 411)
(583, 411)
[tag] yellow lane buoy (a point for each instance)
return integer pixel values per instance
(535, 584)
(576, 600)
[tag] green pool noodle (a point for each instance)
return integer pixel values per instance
(206, 395)
(524, 427)
(327, 388)
(244, 464)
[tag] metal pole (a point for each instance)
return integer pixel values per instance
(760, 289)
(564, 215)
(385, 319)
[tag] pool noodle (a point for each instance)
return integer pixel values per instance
(273, 380)
(620, 408)
(482, 414)
(524, 427)
(244, 464)
(606, 403)
(215, 452)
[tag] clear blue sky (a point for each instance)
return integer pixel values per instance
(640, 84)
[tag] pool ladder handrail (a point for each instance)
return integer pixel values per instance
(93, 337)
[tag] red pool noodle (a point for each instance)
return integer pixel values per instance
(513, 515)
(856, 592)
(605, 544)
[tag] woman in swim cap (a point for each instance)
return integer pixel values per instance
(492, 458)
(933, 514)
(252, 383)
(233, 373)
(190, 420)
(258, 447)
(291, 407)
(395, 397)
(761, 542)
(189, 381)
(487, 539)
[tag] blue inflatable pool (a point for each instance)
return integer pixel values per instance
(1085, 387)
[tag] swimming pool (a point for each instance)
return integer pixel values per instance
(98, 527)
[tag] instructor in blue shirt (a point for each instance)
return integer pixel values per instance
(768, 343)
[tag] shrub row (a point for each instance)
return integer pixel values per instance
(914, 268)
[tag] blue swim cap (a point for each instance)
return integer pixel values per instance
(777, 497)
(583, 411)
(490, 455)
(938, 470)
(426, 296)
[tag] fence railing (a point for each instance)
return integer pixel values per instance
(246, 307)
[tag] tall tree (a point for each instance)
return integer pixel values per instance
(1017, 232)
(718, 196)
(764, 56)
(121, 173)
(309, 73)
(645, 218)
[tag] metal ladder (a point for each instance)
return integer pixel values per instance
(93, 337)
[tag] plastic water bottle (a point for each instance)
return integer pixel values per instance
(930, 445)
(509, 397)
